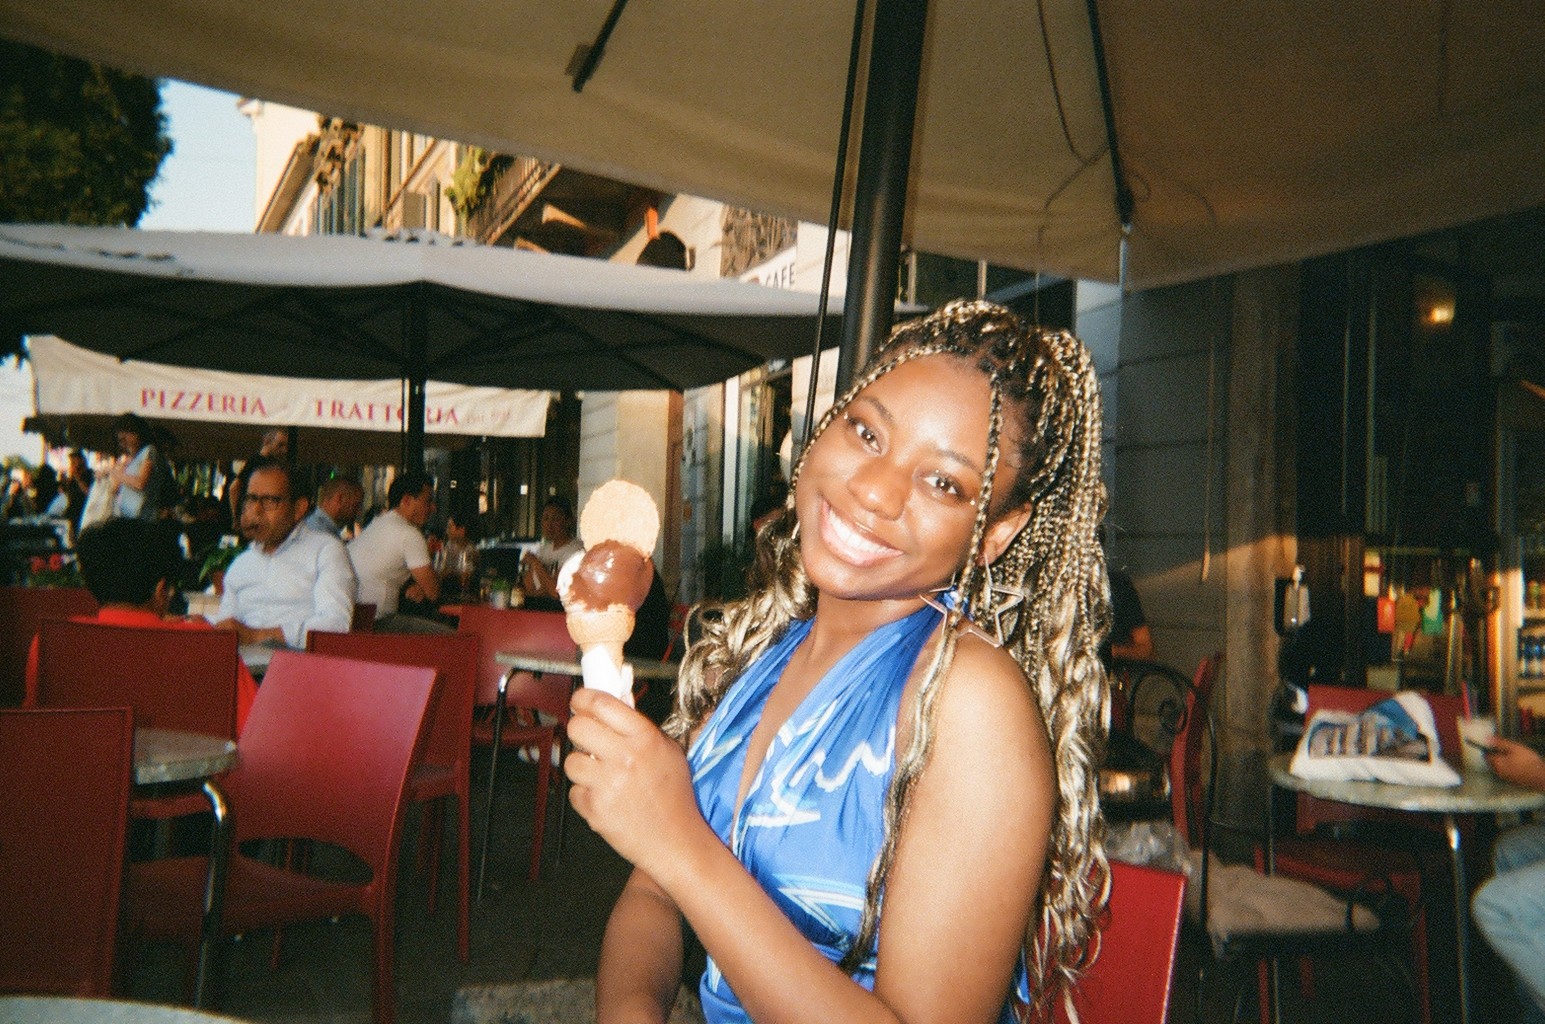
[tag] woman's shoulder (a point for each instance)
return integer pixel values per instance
(987, 690)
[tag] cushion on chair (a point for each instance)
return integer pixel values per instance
(1242, 901)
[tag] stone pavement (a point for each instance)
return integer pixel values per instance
(522, 931)
(535, 947)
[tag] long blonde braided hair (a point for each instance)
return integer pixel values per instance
(1045, 597)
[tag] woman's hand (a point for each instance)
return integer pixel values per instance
(631, 783)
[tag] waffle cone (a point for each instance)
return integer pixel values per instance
(608, 627)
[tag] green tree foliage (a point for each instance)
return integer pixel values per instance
(79, 143)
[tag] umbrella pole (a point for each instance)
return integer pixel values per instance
(415, 373)
(884, 158)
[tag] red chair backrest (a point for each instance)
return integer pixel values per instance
(1130, 981)
(454, 657)
(181, 679)
(1187, 786)
(327, 751)
(22, 611)
(533, 632)
(1446, 709)
(64, 810)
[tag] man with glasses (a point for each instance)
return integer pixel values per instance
(291, 579)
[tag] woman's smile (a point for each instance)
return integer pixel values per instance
(849, 543)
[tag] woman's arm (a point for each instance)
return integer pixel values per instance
(637, 794)
(126, 475)
(1138, 646)
(971, 857)
(539, 582)
(640, 956)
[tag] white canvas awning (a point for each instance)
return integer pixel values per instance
(351, 308)
(217, 414)
(1250, 134)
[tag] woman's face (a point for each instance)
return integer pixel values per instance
(128, 442)
(887, 496)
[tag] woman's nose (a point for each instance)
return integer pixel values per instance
(880, 487)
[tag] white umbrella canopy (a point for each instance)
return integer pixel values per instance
(344, 307)
(1250, 134)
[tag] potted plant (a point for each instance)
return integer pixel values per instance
(56, 570)
(219, 559)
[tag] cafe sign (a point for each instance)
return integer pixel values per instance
(71, 381)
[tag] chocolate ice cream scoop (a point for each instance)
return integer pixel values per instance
(609, 573)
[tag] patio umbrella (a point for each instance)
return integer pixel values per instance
(344, 307)
(1248, 134)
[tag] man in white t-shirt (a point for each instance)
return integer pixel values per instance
(391, 550)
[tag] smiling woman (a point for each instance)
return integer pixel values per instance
(924, 616)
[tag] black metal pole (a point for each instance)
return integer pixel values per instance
(885, 155)
(415, 371)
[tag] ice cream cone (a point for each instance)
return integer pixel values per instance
(607, 627)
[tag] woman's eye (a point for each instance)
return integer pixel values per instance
(861, 431)
(943, 486)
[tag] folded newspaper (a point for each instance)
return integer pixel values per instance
(1396, 740)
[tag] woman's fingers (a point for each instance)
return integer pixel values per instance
(589, 702)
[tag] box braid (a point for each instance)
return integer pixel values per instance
(1045, 597)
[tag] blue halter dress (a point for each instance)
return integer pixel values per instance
(813, 817)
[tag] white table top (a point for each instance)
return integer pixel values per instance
(643, 668)
(77, 1010)
(257, 656)
(1478, 792)
(165, 755)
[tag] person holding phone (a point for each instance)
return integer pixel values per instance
(1510, 908)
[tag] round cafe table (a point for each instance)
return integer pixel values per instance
(80, 1010)
(166, 756)
(1479, 792)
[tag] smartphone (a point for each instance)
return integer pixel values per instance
(1483, 748)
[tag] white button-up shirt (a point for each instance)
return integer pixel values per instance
(306, 583)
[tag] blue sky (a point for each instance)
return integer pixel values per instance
(206, 184)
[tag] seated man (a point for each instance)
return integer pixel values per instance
(338, 503)
(392, 550)
(290, 579)
(1130, 637)
(130, 567)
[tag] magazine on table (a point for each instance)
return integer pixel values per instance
(1395, 740)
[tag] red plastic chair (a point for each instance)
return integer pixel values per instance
(1130, 981)
(64, 807)
(443, 773)
(1344, 864)
(532, 712)
(1187, 782)
(174, 679)
(22, 611)
(325, 758)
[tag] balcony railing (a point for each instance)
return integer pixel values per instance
(514, 187)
